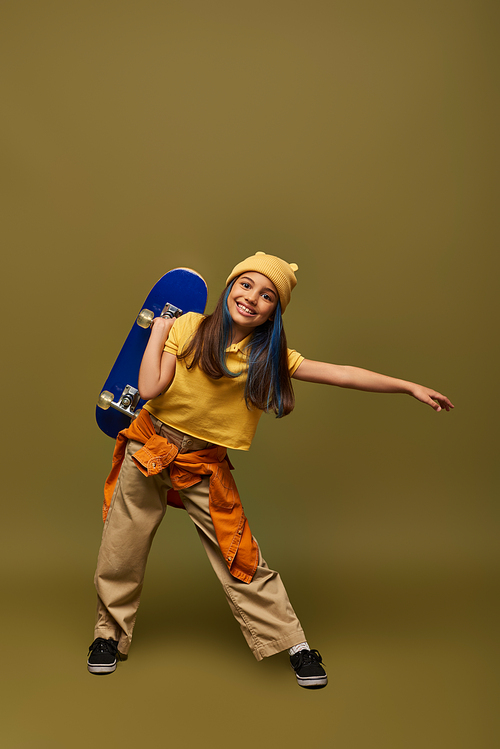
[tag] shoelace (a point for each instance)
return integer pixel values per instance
(103, 646)
(308, 656)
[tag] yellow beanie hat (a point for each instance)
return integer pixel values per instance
(281, 273)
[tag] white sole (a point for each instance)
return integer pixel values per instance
(104, 669)
(315, 682)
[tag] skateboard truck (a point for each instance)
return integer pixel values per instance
(126, 404)
(146, 316)
(170, 310)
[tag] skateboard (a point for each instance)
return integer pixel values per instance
(178, 291)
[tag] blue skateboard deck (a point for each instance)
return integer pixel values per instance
(178, 291)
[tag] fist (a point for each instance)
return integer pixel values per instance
(161, 326)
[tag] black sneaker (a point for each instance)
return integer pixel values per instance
(308, 669)
(103, 655)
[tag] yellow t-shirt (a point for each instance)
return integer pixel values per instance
(212, 410)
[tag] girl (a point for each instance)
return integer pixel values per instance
(207, 381)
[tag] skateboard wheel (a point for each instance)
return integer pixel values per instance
(105, 400)
(145, 318)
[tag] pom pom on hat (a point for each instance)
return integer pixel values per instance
(281, 273)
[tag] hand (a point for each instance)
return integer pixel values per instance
(161, 327)
(432, 398)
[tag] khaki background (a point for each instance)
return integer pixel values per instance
(359, 140)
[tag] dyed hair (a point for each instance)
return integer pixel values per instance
(268, 386)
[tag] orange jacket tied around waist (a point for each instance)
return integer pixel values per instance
(233, 533)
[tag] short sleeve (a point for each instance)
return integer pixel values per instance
(181, 332)
(172, 342)
(294, 361)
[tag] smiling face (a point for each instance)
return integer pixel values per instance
(251, 302)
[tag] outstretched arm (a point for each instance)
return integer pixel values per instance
(157, 367)
(363, 379)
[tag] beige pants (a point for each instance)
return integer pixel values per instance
(262, 608)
